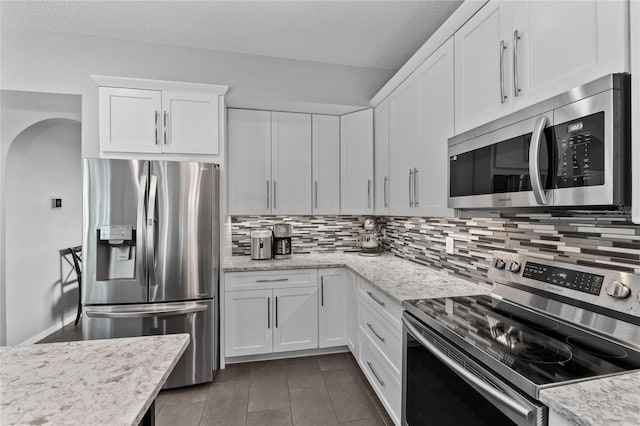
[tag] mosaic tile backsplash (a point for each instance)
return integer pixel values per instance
(601, 239)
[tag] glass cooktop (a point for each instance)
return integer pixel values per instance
(540, 349)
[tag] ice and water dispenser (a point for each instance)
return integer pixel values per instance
(116, 252)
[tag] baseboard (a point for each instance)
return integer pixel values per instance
(35, 339)
(284, 355)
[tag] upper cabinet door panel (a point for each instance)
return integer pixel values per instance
(356, 162)
(326, 164)
(482, 66)
(381, 157)
(563, 44)
(129, 120)
(190, 123)
(291, 162)
(249, 162)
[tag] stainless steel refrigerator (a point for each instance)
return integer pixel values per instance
(151, 256)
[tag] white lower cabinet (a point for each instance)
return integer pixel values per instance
(352, 313)
(295, 319)
(248, 322)
(332, 307)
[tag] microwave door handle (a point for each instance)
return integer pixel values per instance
(467, 375)
(151, 211)
(534, 163)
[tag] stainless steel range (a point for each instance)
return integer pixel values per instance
(484, 359)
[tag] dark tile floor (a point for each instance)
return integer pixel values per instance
(318, 390)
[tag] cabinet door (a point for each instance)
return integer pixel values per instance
(352, 313)
(249, 162)
(291, 163)
(248, 322)
(563, 44)
(326, 164)
(190, 123)
(333, 308)
(381, 157)
(356, 162)
(295, 319)
(129, 120)
(404, 138)
(481, 94)
(435, 78)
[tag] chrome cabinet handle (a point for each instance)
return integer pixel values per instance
(375, 332)
(463, 372)
(165, 126)
(276, 311)
(368, 193)
(410, 189)
(275, 280)
(274, 195)
(503, 47)
(416, 198)
(322, 291)
(384, 189)
(534, 163)
(375, 374)
(268, 312)
(516, 88)
(268, 194)
(379, 302)
(315, 184)
(157, 114)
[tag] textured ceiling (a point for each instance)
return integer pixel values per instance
(372, 34)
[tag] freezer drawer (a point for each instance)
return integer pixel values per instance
(195, 318)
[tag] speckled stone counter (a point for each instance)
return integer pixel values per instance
(96, 382)
(609, 401)
(398, 278)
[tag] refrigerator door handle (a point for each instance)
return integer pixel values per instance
(141, 225)
(151, 212)
(146, 313)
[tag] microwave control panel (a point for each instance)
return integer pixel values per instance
(580, 145)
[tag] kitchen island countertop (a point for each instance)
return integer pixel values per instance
(93, 382)
(399, 278)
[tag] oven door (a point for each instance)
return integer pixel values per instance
(508, 167)
(443, 386)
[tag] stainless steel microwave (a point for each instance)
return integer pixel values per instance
(569, 151)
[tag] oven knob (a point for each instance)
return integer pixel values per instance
(617, 289)
(499, 264)
(513, 266)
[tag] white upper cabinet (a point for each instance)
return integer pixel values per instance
(249, 161)
(482, 77)
(189, 122)
(558, 45)
(436, 122)
(291, 163)
(404, 142)
(381, 157)
(129, 120)
(325, 143)
(154, 116)
(513, 54)
(356, 162)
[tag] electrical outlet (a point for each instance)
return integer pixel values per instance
(450, 245)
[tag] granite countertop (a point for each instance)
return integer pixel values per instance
(400, 279)
(94, 382)
(609, 401)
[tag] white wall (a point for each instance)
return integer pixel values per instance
(42, 161)
(47, 62)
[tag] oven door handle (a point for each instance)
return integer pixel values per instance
(470, 377)
(534, 164)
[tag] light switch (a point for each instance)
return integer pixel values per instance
(450, 245)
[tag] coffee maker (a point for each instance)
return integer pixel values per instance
(282, 241)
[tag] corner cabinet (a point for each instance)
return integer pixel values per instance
(511, 55)
(381, 157)
(356, 163)
(332, 307)
(149, 116)
(325, 156)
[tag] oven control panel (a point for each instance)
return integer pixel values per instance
(564, 277)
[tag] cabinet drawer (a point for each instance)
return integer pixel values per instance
(270, 279)
(387, 339)
(383, 379)
(381, 303)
